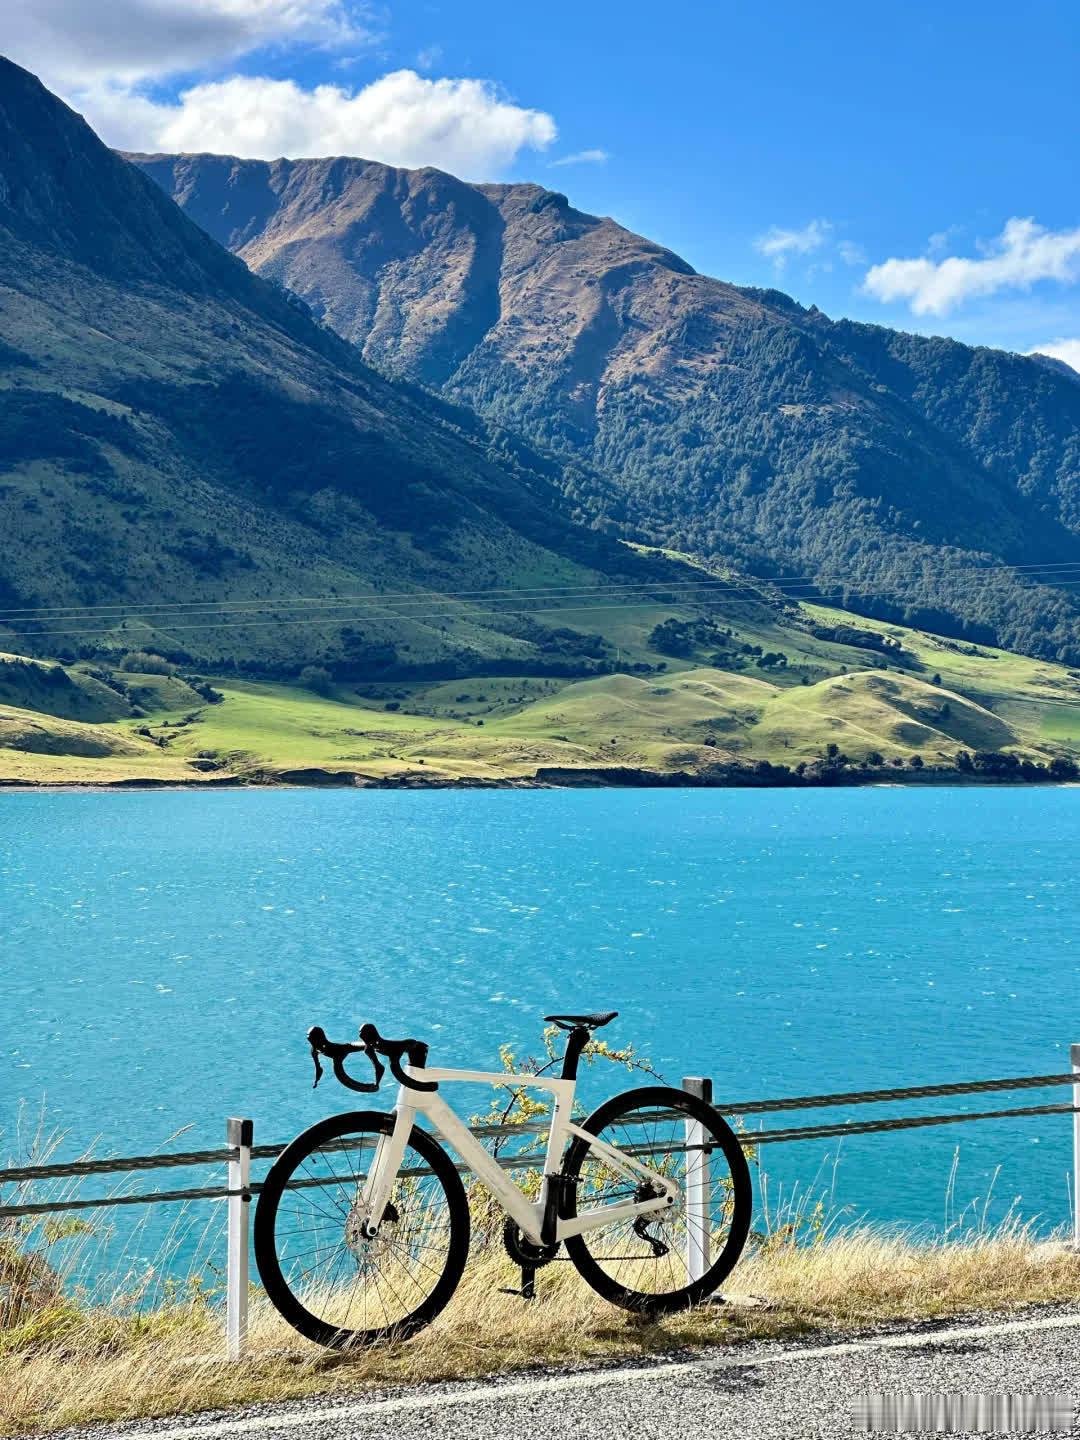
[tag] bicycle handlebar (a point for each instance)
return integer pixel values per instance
(372, 1045)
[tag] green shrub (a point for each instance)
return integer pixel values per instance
(145, 662)
(317, 678)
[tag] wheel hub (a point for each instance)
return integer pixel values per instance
(368, 1248)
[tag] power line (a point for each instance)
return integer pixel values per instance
(463, 614)
(359, 609)
(1039, 572)
(456, 611)
(165, 625)
(334, 603)
(375, 597)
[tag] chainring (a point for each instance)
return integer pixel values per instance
(524, 1252)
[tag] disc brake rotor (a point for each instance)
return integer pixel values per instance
(366, 1249)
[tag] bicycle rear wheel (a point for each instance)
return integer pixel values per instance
(643, 1263)
(321, 1273)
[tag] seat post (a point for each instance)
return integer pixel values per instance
(576, 1042)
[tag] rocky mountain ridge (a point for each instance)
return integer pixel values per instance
(901, 474)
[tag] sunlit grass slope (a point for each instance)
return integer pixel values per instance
(930, 697)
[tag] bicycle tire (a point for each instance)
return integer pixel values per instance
(282, 1292)
(740, 1202)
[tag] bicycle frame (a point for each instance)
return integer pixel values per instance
(539, 1222)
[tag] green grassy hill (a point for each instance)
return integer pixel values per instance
(867, 711)
(69, 694)
(921, 696)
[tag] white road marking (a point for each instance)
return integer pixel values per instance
(499, 1391)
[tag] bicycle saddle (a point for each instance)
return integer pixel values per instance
(591, 1022)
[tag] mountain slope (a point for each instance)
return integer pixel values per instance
(900, 472)
(174, 430)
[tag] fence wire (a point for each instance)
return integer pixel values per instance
(27, 1175)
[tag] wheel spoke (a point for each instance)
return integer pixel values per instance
(326, 1270)
(618, 1259)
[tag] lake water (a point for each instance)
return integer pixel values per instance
(162, 955)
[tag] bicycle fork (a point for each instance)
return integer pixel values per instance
(374, 1193)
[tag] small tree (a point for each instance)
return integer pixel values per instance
(875, 758)
(519, 1105)
(146, 662)
(317, 678)
(915, 762)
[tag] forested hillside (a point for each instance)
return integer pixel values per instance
(904, 476)
(175, 430)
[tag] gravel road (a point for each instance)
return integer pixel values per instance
(760, 1392)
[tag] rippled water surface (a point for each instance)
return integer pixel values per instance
(163, 953)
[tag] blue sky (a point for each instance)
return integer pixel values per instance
(914, 165)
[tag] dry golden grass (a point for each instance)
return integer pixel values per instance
(69, 1366)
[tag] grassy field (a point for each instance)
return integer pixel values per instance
(63, 1365)
(928, 697)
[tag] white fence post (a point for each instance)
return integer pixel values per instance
(1074, 1056)
(698, 1187)
(240, 1134)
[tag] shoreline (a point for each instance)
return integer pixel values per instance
(613, 778)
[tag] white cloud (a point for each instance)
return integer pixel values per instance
(581, 157)
(1067, 350)
(1021, 255)
(778, 244)
(429, 57)
(402, 119)
(851, 253)
(119, 62)
(82, 43)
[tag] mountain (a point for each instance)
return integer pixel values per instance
(901, 475)
(176, 431)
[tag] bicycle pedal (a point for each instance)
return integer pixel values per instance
(521, 1294)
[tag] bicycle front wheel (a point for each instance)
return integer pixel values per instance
(673, 1258)
(329, 1281)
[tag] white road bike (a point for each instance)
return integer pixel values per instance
(363, 1222)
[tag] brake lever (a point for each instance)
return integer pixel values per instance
(413, 1050)
(336, 1053)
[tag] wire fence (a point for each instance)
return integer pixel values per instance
(28, 1174)
(240, 1152)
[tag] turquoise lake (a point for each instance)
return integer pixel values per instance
(163, 953)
